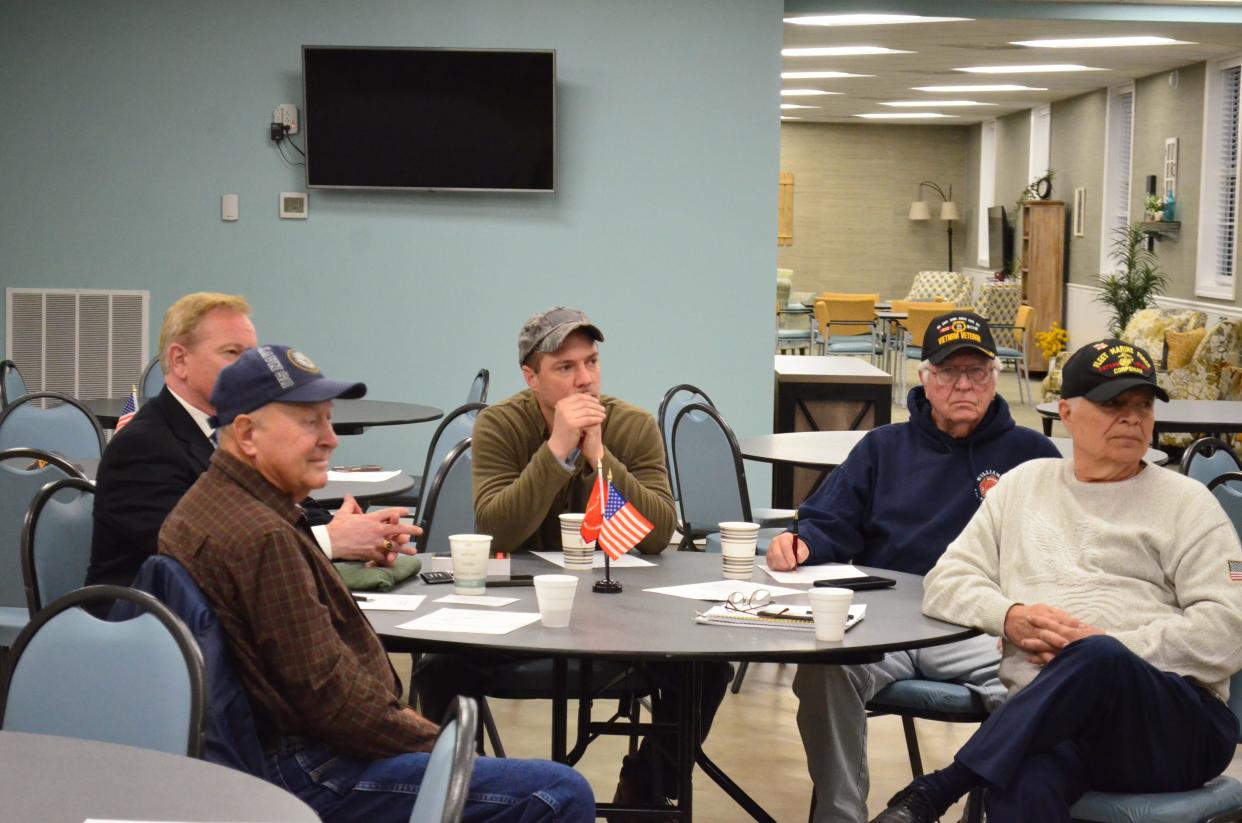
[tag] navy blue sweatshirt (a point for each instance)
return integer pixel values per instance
(908, 489)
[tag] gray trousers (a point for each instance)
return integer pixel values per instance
(832, 718)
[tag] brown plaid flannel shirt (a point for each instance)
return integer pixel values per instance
(305, 653)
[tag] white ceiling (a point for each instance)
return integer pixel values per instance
(939, 48)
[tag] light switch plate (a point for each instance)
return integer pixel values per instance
(229, 207)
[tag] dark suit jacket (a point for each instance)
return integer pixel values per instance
(143, 473)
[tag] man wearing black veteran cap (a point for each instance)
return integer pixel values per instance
(904, 492)
(325, 698)
(1112, 584)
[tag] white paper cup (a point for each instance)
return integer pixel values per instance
(469, 553)
(830, 607)
(578, 553)
(555, 593)
(739, 529)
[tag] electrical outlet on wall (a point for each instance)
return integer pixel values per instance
(287, 115)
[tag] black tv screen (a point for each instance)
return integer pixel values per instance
(1000, 239)
(396, 118)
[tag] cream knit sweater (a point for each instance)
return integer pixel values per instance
(1144, 559)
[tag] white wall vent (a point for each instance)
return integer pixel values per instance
(81, 342)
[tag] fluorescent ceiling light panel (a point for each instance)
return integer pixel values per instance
(805, 92)
(1035, 69)
(840, 51)
(904, 115)
(867, 19)
(914, 104)
(796, 106)
(819, 75)
(1100, 42)
(991, 87)
(787, 117)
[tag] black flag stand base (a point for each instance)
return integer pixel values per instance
(607, 585)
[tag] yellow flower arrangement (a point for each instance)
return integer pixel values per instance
(1053, 341)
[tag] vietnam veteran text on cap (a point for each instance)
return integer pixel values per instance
(955, 331)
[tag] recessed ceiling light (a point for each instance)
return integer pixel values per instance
(905, 115)
(867, 19)
(787, 117)
(913, 104)
(796, 106)
(1042, 68)
(805, 92)
(1100, 42)
(992, 87)
(819, 75)
(840, 51)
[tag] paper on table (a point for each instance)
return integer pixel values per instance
(720, 589)
(477, 600)
(362, 477)
(470, 621)
(624, 561)
(807, 575)
(390, 602)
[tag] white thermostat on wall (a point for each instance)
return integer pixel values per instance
(293, 205)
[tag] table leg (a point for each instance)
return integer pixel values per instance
(1047, 421)
(560, 708)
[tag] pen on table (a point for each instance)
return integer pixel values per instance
(795, 540)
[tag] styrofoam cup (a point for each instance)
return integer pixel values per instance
(830, 606)
(469, 553)
(555, 593)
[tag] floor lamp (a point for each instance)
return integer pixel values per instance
(919, 210)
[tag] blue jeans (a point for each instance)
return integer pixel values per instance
(343, 788)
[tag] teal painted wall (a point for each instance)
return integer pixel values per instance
(125, 122)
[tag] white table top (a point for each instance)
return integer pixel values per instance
(1183, 415)
(828, 369)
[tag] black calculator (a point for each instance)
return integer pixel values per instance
(432, 578)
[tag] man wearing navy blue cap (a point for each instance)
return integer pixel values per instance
(325, 698)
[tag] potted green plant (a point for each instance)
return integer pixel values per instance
(1153, 206)
(1138, 279)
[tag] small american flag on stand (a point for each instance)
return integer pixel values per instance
(623, 526)
(128, 410)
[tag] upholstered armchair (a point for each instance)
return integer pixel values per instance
(954, 287)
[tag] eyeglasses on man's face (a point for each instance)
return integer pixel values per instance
(950, 375)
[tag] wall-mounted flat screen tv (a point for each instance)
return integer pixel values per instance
(456, 119)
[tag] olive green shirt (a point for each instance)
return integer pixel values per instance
(520, 487)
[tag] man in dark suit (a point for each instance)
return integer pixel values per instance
(154, 460)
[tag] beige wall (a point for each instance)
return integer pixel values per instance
(1013, 151)
(1077, 160)
(853, 184)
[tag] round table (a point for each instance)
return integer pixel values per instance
(348, 416)
(638, 625)
(1194, 416)
(66, 780)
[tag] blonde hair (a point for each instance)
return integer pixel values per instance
(182, 318)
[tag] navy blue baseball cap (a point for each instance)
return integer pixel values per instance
(271, 374)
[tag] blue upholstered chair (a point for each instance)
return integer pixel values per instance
(23, 472)
(56, 540)
(152, 380)
(12, 386)
(1208, 458)
(1228, 491)
(138, 682)
(67, 429)
(448, 506)
(446, 782)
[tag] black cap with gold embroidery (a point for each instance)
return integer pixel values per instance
(955, 331)
(1102, 370)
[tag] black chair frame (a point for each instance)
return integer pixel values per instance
(427, 510)
(47, 457)
(142, 381)
(1207, 446)
(101, 594)
(663, 414)
(690, 532)
(484, 377)
(5, 367)
(417, 493)
(30, 577)
(465, 711)
(64, 398)
(1219, 480)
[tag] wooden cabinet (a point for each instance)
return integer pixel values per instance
(1043, 268)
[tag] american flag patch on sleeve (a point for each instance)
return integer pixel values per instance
(1235, 571)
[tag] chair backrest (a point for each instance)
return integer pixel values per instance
(953, 286)
(152, 380)
(920, 317)
(230, 737)
(446, 782)
(21, 479)
(447, 505)
(821, 316)
(56, 540)
(676, 399)
(859, 309)
(68, 428)
(1208, 458)
(710, 483)
(12, 386)
(454, 427)
(478, 388)
(138, 682)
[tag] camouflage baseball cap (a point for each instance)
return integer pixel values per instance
(546, 331)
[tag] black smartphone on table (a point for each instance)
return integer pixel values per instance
(860, 583)
(511, 580)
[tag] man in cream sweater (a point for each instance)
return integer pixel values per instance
(1111, 583)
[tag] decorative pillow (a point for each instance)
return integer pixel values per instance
(1147, 327)
(1182, 345)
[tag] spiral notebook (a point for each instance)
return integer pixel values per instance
(790, 618)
